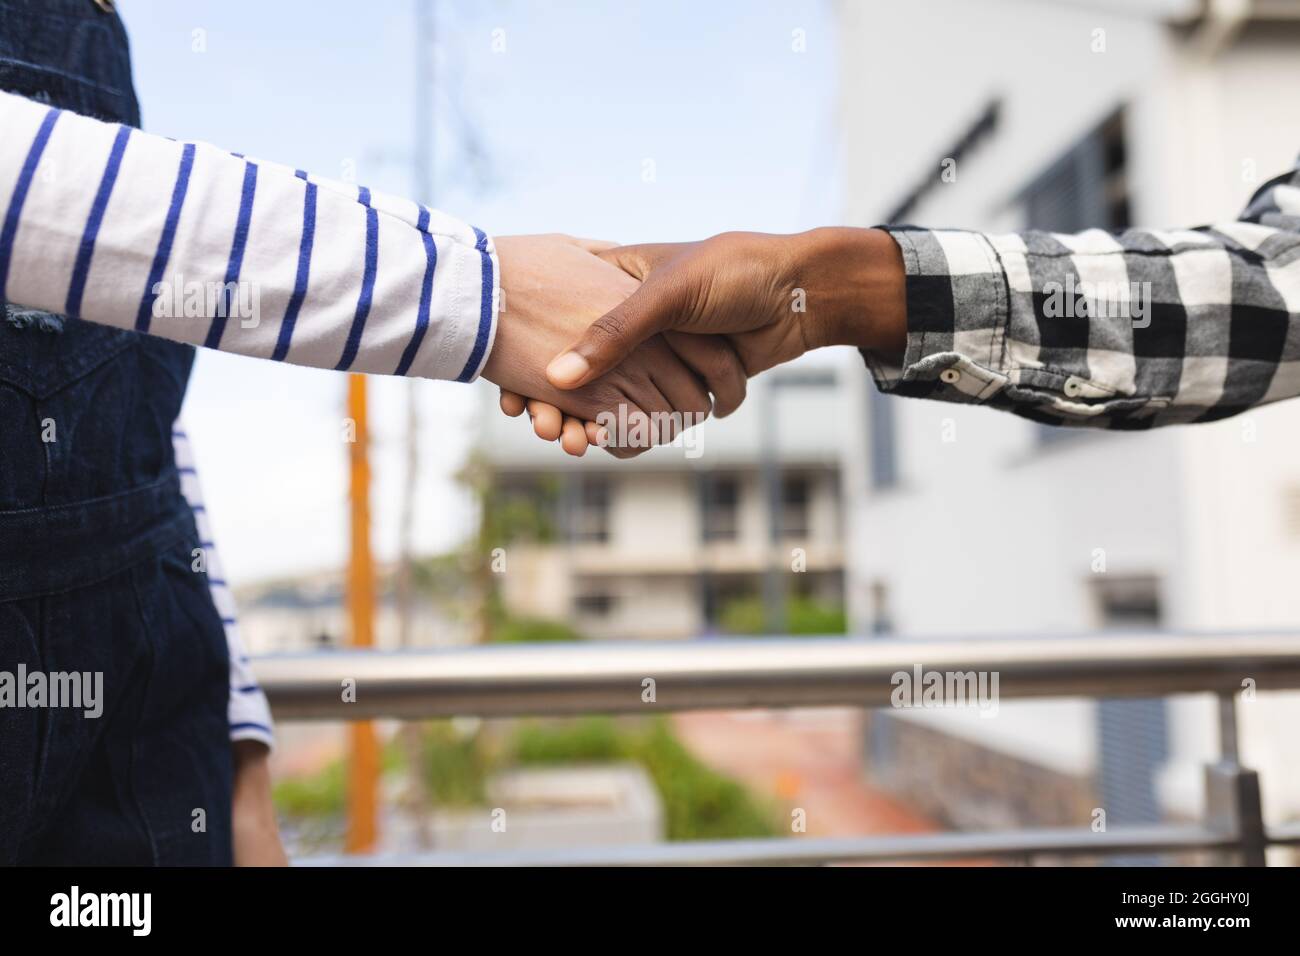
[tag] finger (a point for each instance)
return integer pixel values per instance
(623, 454)
(573, 437)
(714, 360)
(594, 245)
(547, 419)
(612, 337)
(626, 433)
(512, 404)
(687, 399)
(597, 435)
(649, 415)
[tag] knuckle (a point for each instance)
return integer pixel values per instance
(599, 398)
(633, 377)
(611, 327)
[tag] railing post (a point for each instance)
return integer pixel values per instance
(1232, 800)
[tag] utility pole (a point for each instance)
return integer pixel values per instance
(363, 765)
(417, 795)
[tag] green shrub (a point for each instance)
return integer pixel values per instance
(803, 616)
(508, 629)
(586, 740)
(457, 766)
(699, 803)
(321, 794)
(806, 616)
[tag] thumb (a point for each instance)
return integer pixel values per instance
(640, 259)
(611, 338)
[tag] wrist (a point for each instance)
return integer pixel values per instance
(855, 287)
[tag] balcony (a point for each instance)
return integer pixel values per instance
(547, 680)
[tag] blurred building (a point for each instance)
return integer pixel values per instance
(1067, 115)
(309, 613)
(683, 540)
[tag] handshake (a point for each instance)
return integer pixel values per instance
(624, 347)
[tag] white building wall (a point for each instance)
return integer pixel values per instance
(989, 533)
(654, 517)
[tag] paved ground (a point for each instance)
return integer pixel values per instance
(809, 759)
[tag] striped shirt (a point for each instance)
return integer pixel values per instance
(195, 244)
(199, 245)
(249, 713)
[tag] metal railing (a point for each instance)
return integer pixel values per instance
(563, 679)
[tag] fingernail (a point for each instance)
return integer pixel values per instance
(569, 367)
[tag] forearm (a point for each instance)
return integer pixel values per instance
(1129, 330)
(855, 282)
(254, 828)
(192, 243)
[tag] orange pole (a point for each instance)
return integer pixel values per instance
(363, 765)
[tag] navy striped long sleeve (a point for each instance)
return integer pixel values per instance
(248, 710)
(199, 245)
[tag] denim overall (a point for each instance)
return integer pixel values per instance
(96, 546)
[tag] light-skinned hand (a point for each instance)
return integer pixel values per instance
(554, 287)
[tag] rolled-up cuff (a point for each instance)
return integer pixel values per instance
(249, 711)
(259, 732)
(957, 315)
(465, 297)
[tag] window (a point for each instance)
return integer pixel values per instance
(720, 508)
(594, 604)
(1086, 187)
(1128, 603)
(589, 516)
(796, 493)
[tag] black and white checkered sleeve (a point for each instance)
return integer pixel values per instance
(1113, 330)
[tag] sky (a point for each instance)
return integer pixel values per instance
(630, 121)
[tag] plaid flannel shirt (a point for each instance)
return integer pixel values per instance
(1115, 330)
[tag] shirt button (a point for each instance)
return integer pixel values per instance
(950, 375)
(1073, 387)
